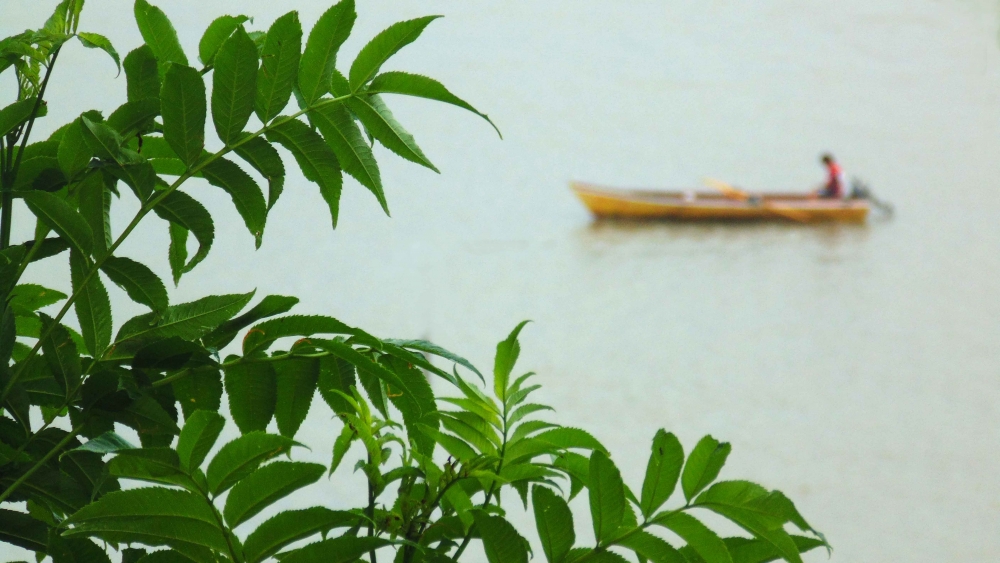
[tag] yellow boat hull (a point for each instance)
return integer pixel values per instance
(714, 206)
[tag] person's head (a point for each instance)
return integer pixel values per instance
(826, 159)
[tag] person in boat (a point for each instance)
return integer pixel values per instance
(836, 183)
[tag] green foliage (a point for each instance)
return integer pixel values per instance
(435, 463)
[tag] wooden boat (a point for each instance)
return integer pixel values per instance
(726, 205)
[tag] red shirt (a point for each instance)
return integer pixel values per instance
(835, 184)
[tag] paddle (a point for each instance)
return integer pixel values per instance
(740, 195)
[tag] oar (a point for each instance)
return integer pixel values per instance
(740, 195)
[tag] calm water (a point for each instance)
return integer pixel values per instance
(854, 367)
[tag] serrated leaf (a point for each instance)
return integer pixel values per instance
(159, 34)
(607, 496)
(386, 44)
(703, 465)
(61, 218)
(241, 457)
(662, 471)
(419, 86)
(20, 529)
(652, 548)
(565, 437)
(317, 161)
(554, 522)
(141, 74)
(291, 526)
(138, 281)
(184, 211)
(501, 542)
(431, 348)
(337, 125)
(15, 114)
(61, 354)
(279, 66)
(702, 539)
(96, 41)
(95, 207)
(215, 35)
(382, 125)
(265, 159)
(266, 486)
(264, 334)
(201, 430)
(182, 105)
(746, 550)
(268, 307)
(76, 550)
(234, 85)
(296, 381)
(26, 298)
(245, 193)
(336, 374)
(507, 352)
(154, 465)
(320, 56)
(109, 442)
(252, 394)
(92, 305)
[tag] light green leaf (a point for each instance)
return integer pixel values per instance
(138, 281)
(266, 160)
(565, 437)
(61, 218)
(381, 124)
(266, 486)
(182, 105)
(201, 430)
(291, 526)
(246, 194)
(217, 32)
(507, 352)
(607, 496)
(501, 542)
(554, 522)
(241, 457)
(252, 394)
(386, 44)
(234, 85)
(318, 162)
(703, 540)
(159, 34)
(184, 211)
(15, 114)
(407, 84)
(279, 66)
(662, 471)
(265, 333)
(320, 56)
(92, 305)
(268, 307)
(141, 74)
(652, 548)
(341, 445)
(296, 380)
(703, 465)
(96, 41)
(353, 153)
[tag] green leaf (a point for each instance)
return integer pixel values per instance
(252, 394)
(159, 34)
(420, 86)
(703, 465)
(554, 522)
(320, 56)
(15, 114)
(140, 177)
(104, 142)
(234, 85)
(162, 556)
(95, 207)
(507, 352)
(95, 41)
(74, 154)
(138, 281)
(353, 153)
(155, 465)
(652, 548)
(386, 44)
(76, 550)
(265, 333)
(153, 516)
(268, 307)
(279, 66)
(201, 430)
(135, 117)
(607, 496)
(61, 218)
(26, 298)
(703, 540)
(20, 529)
(246, 194)
(182, 105)
(662, 471)
(241, 457)
(265, 159)
(291, 526)
(746, 550)
(344, 549)
(184, 211)
(188, 321)
(266, 486)
(341, 445)
(200, 389)
(141, 74)
(565, 437)
(218, 31)
(296, 380)
(336, 374)
(501, 542)
(318, 162)
(93, 308)
(382, 125)
(109, 442)
(177, 252)
(146, 416)
(431, 348)
(61, 354)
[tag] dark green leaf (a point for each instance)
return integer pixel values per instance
(201, 430)
(266, 160)
(61, 218)
(421, 87)
(74, 154)
(146, 416)
(95, 41)
(141, 74)
(234, 85)
(288, 527)
(264, 334)
(266, 486)
(26, 298)
(320, 56)
(17, 528)
(200, 389)
(384, 45)
(703, 540)
(296, 380)
(15, 114)
(662, 470)
(246, 194)
(76, 550)
(279, 66)
(93, 308)
(501, 542)
(252, 394)
(268, 307)
(159, 34)
(241, 457)
(607, 496)
(155, 465)
(138, 281)
(95, 207)
(318, 162)
(341, 132)
(703, 465)
(336, 374)
(554, 522)
(185, 212)
(61, 354)
(218, 31)
(381, 124)
(135, 117)
(182, 104)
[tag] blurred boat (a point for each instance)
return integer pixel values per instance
(728, 204)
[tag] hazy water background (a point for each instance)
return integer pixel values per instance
(854, 367)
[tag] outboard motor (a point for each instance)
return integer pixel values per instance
(860, 190)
